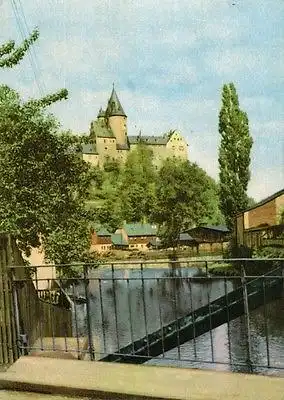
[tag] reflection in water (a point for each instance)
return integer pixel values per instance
(133, 305)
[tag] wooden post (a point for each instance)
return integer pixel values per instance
(8, 305)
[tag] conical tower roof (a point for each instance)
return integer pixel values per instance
(101, 113)
(114, 107)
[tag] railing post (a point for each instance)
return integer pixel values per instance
(282, 273)
(144, 308)
(247, 318)
(115, 307)
(206, 268)
(16, 311)
(89, 325)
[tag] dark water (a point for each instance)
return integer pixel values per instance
(128, 308)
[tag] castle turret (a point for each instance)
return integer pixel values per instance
(116, 119)
(101, 114)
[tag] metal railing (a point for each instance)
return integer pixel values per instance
(173, 313)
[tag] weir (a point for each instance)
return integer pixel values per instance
(252, 294)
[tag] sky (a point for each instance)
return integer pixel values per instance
(168, 60)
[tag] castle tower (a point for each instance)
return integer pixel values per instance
(117, 119)
(101, 115)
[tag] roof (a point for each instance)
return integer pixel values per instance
(99, 129)
(118, 240)
(151, 140)
(266, 200)
(140, 229)
(122, 146)
(104, 240)
(89, 148)
(101, 113)
(114, 106)
(217, 228)
(185, 237)
(103, 232)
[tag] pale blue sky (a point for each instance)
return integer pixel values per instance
(169, 60)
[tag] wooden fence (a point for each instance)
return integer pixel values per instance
(22, 312)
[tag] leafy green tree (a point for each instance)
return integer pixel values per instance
(104, 201)
(182, 199)
(214, 214)
(138, 185)
(234, 155)
(43, 180)
(10, 55)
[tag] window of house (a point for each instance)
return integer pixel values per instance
(105, 148)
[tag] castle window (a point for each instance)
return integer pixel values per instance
(105, 148)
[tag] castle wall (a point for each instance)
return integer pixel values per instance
(159, 154)
(106, 147)
(92, 159)
(119, 128)
(177, 146)
(121, 155)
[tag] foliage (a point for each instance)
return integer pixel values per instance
(10, 55)
(125, 193)
(182, 199)
(137, 190)
(104, 200)
(251, 202)
(234, 155)
(43, 181)
(280, 216)
(269, 252)
(213, 215)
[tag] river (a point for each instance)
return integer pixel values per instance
(142, 306)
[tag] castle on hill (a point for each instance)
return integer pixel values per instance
(109, 139)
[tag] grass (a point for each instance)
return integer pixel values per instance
(224, 269)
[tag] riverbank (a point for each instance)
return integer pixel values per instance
(183, 262)
(133, 255)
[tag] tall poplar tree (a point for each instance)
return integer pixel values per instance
(234, 155)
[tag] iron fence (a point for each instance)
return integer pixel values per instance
(183, 313)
